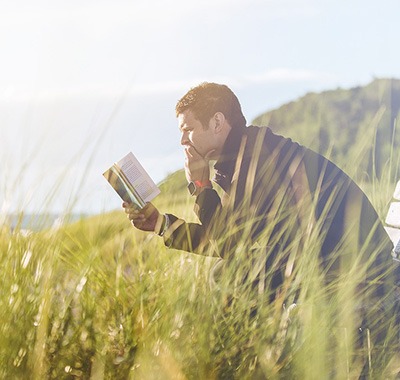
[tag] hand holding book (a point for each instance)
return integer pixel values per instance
(135, 187)
(146, 219)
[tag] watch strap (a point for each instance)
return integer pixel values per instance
(194, 186)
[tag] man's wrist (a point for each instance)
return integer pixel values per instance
(164, 225)
(196, 187)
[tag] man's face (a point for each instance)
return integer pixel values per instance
(202, 140)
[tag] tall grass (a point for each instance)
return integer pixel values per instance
(96, 299)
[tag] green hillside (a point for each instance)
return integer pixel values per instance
(338, 122)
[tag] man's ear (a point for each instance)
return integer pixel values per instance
(219, 121)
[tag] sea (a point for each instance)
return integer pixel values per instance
(38, 222)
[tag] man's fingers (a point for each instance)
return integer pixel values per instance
(148, 210)
(188, 153)
(191, 152)
(142, 214)
(136, 219)
(131, 210)
(144, 218)
(138, 223)
(136, 214)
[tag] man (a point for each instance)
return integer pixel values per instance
(277, 195)
(256, 168)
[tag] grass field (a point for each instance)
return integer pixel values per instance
(96, 299)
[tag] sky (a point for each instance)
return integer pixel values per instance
(83, 82)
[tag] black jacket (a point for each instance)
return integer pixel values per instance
(276, 192)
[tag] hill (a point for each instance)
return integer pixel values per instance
(340, 122)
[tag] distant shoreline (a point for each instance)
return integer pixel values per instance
(41, 221)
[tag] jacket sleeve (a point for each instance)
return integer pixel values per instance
(195, 237)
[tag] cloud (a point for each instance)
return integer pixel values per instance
(114, 92)
(286, 75)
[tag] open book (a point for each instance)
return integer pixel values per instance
(131, 181)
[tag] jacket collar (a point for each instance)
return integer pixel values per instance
(225, 166)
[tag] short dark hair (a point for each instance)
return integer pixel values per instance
(207, 98)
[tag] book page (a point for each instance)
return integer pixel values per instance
(138, 177)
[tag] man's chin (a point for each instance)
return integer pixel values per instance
(211, 155)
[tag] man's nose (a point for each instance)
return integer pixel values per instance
(184, 139)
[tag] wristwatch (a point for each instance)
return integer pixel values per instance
(194, 187)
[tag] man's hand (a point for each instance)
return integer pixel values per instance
(144, 219)
(197, 167)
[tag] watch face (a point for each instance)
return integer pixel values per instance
(192, 188)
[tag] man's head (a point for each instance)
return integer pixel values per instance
(206, 114)
(206, 99)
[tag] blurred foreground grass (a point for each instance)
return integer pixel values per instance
(96, 299)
